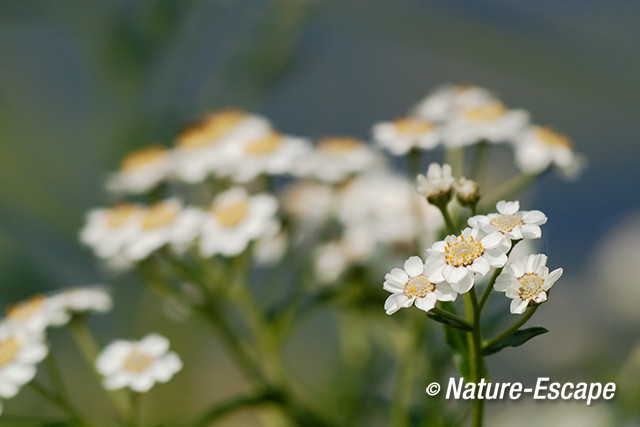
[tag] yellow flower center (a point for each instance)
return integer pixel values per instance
(159, 215)
(339, 145)
(120, 215)
(232, 214)
(137, 362)
(264, 145)
(211, 129)
(507, 223)
(418, 287)
(8, 350)
(487, 112)
(552, 138)
(530, 286)
(413, 127)
(143, 157)
(27, 308)
(462, 252)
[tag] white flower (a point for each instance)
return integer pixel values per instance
(437, 185)
(461, 259)
(538, 148)
(107, 231)
(511, 221)
(20, 351)
(80, 300)
(335, 159)
(415, 284)
(138, 364)
(447, 100)
(467, 191)
(271, 154)
(402, 135)
(164, 223)
(330, 261)
(202, 149)
(142, 170)
(270, 249)
(235, 219)
(309, 203)
(527, 281)
(37, 313)
(491, 121)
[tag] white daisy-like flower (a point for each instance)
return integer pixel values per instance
(37, 313)
(461, 259)
(447, 100)
(164, 223)
(107, 231)
(20, 352)
(491, 121)
(271, 154)
(84, 299)
(437, 185)
(308, 202)
(538, 148)
(235, 219)
(142, 170)
(400, 136)
(511, 221)
(337, 158)
(138, 364)
(202, 149)
(527, 281)
(415, 285)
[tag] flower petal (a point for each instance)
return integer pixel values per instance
(414, 266)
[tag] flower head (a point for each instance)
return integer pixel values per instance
(415, 284)
(337, 158)
(511, 221)
(37, 313)
(107, 231)
(437, 185)
(527, 281)
(142, 170)
(402, 135)
(461, 259)
(138, 364)
(538, 148)
(446, 101)
(84, 299)
(20, 352)
(467, 191)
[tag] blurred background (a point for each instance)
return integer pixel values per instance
(83, 82)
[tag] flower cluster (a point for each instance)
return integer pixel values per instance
(462, 115)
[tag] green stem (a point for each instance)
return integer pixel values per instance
(444, 313)
(513, 328)
(477, 362)
(447, 219)
(487, 290)
(225, 408)
(58, 401)
(507, 190)
(134, 408)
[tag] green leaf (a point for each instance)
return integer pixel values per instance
(449, 322)
(514, 340)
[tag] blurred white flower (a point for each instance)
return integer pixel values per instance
(202, 149)
(271, 154)
(415, 285)
(142, 170)
(437, 185)
(526, 281)
(330, 261)
(37, 313)
(138, 364)
(164, 223)
(308, 202)
(538, 148)
(108, 230)
(511, 221)
(448, 100)
(490, 121)
(467, 191)
(461, 259)
(20, 352)
(401, 135)
(83, 299)
(270, 249)
(337, 158)
(235, 219)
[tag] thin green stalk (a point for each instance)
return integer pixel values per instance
(59, 402)
(135, 408)
(513, 328)
(58, 385)
(447, 219)
(487, 290)
(507, 190)
(477, 362)
(444, 313)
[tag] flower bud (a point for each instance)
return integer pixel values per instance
(467, 191)
(437, 185)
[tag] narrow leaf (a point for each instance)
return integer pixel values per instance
(514, 340)
(450, 322)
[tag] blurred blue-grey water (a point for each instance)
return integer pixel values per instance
(83, 82)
